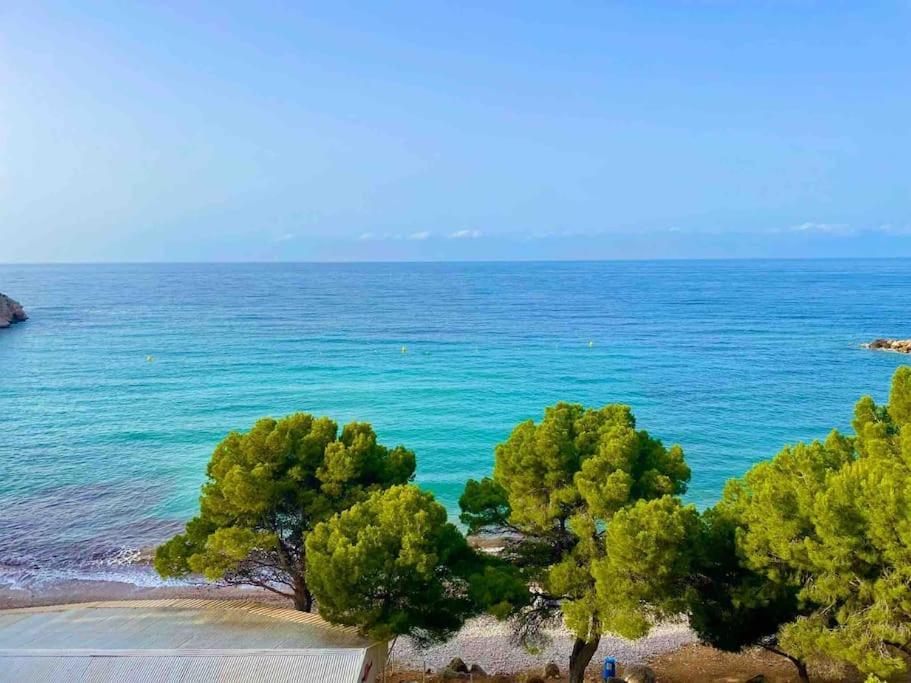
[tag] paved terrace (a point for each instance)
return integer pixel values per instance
(186, 640)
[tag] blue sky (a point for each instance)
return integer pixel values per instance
(496, 130)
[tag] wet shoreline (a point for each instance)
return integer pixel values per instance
(83, 590)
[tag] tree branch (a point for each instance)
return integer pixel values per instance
(260, 584)
(906, 648)
(799, 663)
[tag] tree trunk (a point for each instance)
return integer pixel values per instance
(801, 671)
(801, 666)
(898, 646)
(583, 651)
(303, 600)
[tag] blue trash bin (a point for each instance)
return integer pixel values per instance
(610, 668)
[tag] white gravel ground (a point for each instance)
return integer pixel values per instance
(486, 641)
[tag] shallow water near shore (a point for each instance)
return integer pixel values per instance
(126, 376)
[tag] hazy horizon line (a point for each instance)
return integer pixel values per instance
(452, 261)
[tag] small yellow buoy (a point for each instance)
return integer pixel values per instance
(404, 349)
(591, 344)
(149, 359)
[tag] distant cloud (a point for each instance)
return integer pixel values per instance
(891, 229)
(824, 228)
(465, 234)
(372, 236)
(845, 230)
(284, 238)
(553, 234)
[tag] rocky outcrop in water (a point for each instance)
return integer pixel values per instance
(898, 345)
(10, 311)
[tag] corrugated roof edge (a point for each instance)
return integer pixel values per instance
(282, 613)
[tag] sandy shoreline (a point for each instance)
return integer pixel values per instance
(670, 648)
(78, 590)
(487, 642)
(483, 640)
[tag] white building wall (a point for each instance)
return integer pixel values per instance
(374, 661)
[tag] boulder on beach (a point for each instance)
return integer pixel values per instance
(898, 345)
(11, 311)
(456, 664)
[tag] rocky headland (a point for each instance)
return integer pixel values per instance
(897, 345)
(11, 311)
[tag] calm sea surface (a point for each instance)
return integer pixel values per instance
(102, 452)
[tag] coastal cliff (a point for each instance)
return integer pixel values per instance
(898, 345)
(11, 311)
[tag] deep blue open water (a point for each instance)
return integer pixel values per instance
(103, 452)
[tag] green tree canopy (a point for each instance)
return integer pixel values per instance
(392, 565)
(586, 505)
(731, 606)
(858, 553)
(822, 539)
(265, 492)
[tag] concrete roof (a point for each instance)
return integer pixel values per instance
(153, 640)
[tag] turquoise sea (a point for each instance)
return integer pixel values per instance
(102, 451)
